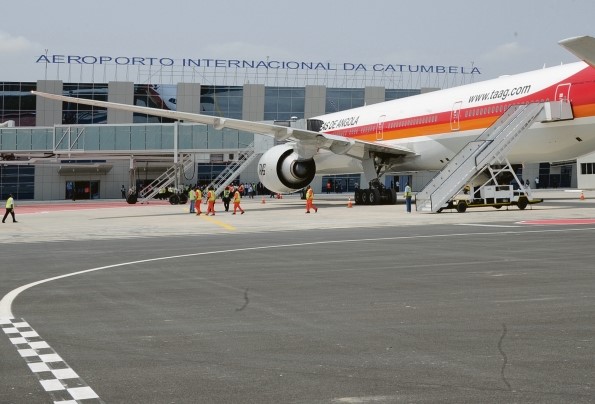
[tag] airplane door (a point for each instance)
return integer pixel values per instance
(455, 115)
(380, 127)
(562, 92)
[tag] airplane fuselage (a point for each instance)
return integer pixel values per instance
(437, 125)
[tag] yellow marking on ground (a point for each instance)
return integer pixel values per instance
(218, 222)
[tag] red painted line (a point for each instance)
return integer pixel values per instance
(559, 222)
(57, 207)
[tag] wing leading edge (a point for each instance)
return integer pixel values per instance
(336, 144)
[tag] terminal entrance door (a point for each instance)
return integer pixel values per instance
(82, 190)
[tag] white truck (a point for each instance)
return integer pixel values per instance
(492, 195)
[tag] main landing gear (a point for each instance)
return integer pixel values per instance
(377, 194)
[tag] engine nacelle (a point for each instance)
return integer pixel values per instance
(280, 170)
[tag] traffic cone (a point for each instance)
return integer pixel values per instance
(582, 197)
(349, 204)
(263, 200)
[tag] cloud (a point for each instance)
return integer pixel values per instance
(506, 51)
(15, 44)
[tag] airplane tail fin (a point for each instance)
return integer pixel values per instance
(581, 46)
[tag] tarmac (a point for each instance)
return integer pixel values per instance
(111, 219)
(105, 302)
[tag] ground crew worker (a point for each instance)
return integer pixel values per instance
(198, 201)
(236, 202)
(408, 197)
(192, 200)
(211, 201)
(310, 200)
(226, 197)
(9, 209)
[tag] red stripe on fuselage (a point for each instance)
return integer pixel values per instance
(582, 98)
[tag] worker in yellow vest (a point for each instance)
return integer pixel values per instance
(9, 209)
(310, 200)
(192, 200)
(211, 202)
(226, 197)
(408, 195)
(236, 202)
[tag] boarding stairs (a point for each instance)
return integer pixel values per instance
(491, 147)
(167, 178)
(235, 168)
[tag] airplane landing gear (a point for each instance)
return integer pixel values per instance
(375, 195)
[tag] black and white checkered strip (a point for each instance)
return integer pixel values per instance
(56, 377)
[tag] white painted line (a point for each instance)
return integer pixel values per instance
(65, 374)
(49, 358)
(485, 225)
(82, 393)
(39, 367)
(51, 385)
(38, 344)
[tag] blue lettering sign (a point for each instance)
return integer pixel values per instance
(252, 64)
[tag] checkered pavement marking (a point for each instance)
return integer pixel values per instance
(57, 378)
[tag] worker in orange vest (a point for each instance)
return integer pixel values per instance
(198, 200)
(236, 202)
(310, 200)
(211, 202)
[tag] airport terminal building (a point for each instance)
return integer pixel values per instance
(52, 150)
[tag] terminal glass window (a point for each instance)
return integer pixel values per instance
(154, 96)
(340, 183)
(17, 103)
(224, 101)
(544, 175)
(340, 99)
(207, 172)
(587, 168)
(394, 94)
(282, 103)
(74, 114)
(566, 176)
(18, 181)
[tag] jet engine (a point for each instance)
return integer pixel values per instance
(280, 169)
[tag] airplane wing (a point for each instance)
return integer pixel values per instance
(581, 46)
(336, 144)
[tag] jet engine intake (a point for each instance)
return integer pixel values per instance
(281, 170)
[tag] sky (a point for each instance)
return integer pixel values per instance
(498, 37)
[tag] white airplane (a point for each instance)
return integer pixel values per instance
(420, 132)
